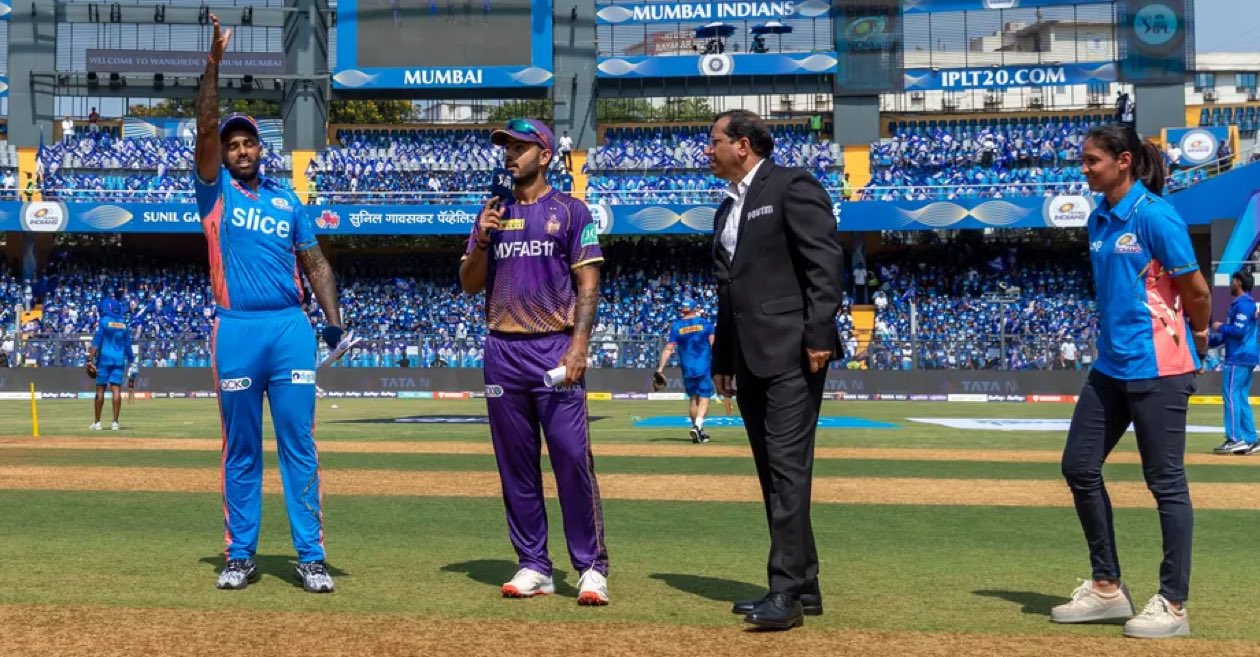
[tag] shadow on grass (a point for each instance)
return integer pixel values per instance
(275, 565)
(711, 588)
(494, 572)
(1031, 602)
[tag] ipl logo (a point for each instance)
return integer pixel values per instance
(1155, 24)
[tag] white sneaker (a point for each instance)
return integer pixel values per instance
(592, 589)
(95, 426)
(528, 583)
(1089, 605)
(114, 427)
(1158, 621)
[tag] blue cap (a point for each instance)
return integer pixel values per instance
(687, 305)
(238, 121)
(111, 308)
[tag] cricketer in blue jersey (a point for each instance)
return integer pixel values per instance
(110, 359)
(262, 341)
(1241, 356)
(692, 337)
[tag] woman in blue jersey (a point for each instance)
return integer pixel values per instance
(1154, 309)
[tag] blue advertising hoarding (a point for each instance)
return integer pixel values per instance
(1155, 40)
(677, 66)
(4, 86)
(705, 12)
(499, 44)
(934, 6)
(1046, 75)
(6, 9)
(1220, 197)
(1198, 145)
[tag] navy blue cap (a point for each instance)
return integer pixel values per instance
(237, 121)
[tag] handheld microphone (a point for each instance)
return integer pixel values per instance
(501, 186)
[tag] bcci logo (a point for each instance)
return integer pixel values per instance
(717, 65)
(328, 220)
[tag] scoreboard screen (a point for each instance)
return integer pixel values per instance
(415, 44)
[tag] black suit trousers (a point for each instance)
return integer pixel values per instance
(780, 415)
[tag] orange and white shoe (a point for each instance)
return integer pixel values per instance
(528, 583)
(592, 589)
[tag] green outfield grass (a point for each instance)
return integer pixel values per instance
(180, 418)
(885, 567)
(940, 569)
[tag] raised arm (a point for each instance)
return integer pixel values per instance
(209, 152)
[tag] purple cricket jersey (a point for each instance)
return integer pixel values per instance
(529, 279)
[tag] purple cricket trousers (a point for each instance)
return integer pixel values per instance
(522, 411)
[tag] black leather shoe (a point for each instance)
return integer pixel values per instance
(778, 611)
(811, 605)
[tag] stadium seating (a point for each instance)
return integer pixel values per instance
(102, 167)
(1247, 117)
(662, 164)
(411, 166)
(945, 159)
(1035, 294)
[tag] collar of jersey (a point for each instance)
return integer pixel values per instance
(263, 183)
(1124, 209)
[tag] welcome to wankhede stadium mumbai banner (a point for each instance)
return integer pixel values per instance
(706, 12)
(1041, 75)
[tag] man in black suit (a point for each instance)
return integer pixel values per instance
(779, 263)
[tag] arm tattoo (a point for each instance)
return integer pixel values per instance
(208, 101)
(584, 315)
(323, 283)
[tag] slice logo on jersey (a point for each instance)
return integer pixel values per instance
(590, 236)
(305, 377)
(1128, 243)
(694, 328)
(116, 325)
(553, 225)
(494, 392)
(328, 220)
(281, 203)
(235, 385)
(253, 219)
(514, 224)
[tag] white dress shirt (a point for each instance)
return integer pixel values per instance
(738, 193)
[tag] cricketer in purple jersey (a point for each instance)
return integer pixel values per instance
(538, 262)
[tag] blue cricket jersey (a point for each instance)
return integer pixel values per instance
(254, 239)
(1137, 248)
(112, 342)
(695, 354)
(1239, 333)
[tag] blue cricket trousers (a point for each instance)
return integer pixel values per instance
(1235, 390)
(270, 352)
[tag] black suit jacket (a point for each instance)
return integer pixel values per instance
(780, 293)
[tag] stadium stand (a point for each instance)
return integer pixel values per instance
(1246, 117)
(1006, 302)
(98, 166)
(664, 164)
(411, 166)
(1023, 156)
